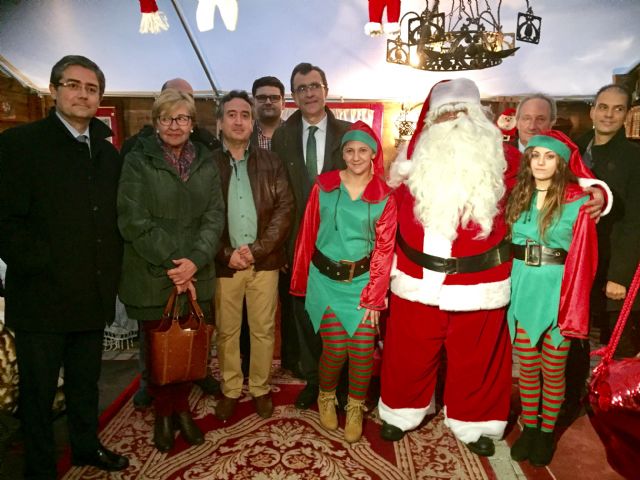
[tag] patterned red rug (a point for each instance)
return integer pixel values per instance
(289, 446)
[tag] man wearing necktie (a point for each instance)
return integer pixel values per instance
(60, 240)
(308, 143)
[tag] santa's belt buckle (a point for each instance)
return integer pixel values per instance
(532, 254)
(352, 270)
(450, 266)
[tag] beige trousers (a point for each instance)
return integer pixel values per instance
(261, 291)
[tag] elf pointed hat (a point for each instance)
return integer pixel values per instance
(459, 90)
(362, 132)
(558, 142)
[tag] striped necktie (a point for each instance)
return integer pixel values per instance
(312, 154)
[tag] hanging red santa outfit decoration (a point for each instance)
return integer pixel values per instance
(153, 20)
(376, 7)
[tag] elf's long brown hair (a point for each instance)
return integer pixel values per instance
(520, 198)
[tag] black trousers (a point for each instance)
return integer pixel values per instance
(309, 342)
(289, 343)
(40, 356)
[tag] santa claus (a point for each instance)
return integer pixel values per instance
(450, 280)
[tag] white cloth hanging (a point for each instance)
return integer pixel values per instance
(205, 14)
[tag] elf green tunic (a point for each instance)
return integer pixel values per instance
(535, 291)
(346, 232)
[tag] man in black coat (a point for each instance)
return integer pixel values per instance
(60, 240)
(308, 144)
(615, 160)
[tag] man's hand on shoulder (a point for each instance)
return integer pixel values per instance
(595, 204)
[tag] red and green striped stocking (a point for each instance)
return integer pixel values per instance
(336, 346)
(550, 363)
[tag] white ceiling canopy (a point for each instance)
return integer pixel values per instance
(582, 42)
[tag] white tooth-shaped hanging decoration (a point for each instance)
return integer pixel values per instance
(205, 14)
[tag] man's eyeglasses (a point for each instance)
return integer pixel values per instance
(78, 87)
(181, 120)
(264, 98)
(312, 87)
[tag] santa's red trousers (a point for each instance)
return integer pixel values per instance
(376, 8)
(478, 349)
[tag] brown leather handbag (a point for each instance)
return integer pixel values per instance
(179, 347)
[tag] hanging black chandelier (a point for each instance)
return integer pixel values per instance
(469, 37)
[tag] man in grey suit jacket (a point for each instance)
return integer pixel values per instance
(308, 144)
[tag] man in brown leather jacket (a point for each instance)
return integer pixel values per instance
(259, 208)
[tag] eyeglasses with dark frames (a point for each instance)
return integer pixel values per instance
(264, 98)
(181, 120)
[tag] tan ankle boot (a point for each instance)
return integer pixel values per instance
(353, 425)
(327, 409)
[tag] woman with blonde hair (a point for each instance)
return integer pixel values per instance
(171, 215)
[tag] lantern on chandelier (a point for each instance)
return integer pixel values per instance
(468, 37)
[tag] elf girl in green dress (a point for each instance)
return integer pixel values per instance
(555, 258)
(342, 263)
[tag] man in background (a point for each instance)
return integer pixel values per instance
(268, 94)
(615, 160)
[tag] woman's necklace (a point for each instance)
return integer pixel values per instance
(541, 190)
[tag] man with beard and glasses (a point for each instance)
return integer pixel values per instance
(268, 93)
(450, 281)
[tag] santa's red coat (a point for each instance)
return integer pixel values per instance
(488, 289)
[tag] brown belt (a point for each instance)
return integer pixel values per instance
(535, 255)
(475, 263)
(343, 270)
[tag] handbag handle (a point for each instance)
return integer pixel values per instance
(610, 349)
(195, 308)
(171, 309)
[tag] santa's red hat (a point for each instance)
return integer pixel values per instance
(459, 90)
(566, 149)
(362, 132)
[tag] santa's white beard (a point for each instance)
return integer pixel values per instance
(457, 174)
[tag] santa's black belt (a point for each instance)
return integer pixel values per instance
(343, 270)
(474, 263)
(535, 255)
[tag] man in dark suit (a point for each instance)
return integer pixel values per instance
(308, 144)
(615, 160)
(60, 240)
